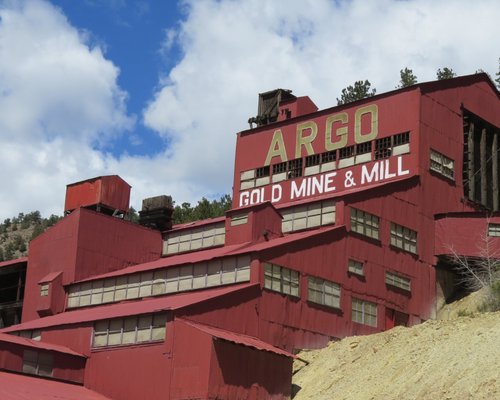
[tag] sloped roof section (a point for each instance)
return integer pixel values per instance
(13, 262)
(149, 305)
(239, 338)
(35, 344)
(22, 387)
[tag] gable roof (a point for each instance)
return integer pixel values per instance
(127, 308)
(35, 344)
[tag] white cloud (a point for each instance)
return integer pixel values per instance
(235, 49)
(59, 97)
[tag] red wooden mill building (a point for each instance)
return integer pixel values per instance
(343, 222)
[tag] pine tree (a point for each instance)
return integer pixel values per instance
(445, 73)
(497, 80)
(359, 91)
(408, 78)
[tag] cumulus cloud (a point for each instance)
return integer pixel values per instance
(59, 101)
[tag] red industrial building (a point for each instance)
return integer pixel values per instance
(344, 222)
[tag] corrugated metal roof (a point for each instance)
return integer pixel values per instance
(239, 338)
(23, 387)
(135, 307)
(4, 337)
(210, 254)
(186, 258)
(13, 262)
(284, 240)
(50, 277)
(196, 224)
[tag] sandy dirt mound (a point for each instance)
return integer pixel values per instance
(452, 359)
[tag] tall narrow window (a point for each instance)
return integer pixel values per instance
(364, 312)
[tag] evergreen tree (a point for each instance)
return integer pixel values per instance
(497, 79)
(445, 73)
(359, 91)
(407, 78)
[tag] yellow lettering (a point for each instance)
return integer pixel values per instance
(340, 132)
(305, 140)
(277, 148)
(358, 136)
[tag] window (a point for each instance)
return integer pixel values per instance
(194, 239)
(355, 267)
(131, 330)
(364, 223)
(44, 289)
(38, 363)
(287, 170)
(281, 279)
(398, 281)
(308, 216)
(319, 163)
(364, 312)
(442, 164)
(324, 292)
(403, 238)
(240, 219)
(392, 146)
(216, 272)
(34, 334)
(254, 178)
(493, 229)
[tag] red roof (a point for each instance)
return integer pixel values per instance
(23, 387)
(239, 338)
(180, 259)
(4, 337)
(135, 307)
(294, 237)
(195, 224)
(13, 262)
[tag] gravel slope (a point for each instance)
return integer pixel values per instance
(448, 359)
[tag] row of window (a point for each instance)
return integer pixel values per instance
(195, 239)
(325, 292)
(318, 163)
(294, 219)
(216, 272)
(130, 330)
(368, 225)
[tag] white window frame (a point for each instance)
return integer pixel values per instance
(322, 291)
(281, 279)
(308, 216)
(356, 267)
(133, 330)
(399, 281)
(365, 223)
(364, 312)
(442, 165)
(404, 238)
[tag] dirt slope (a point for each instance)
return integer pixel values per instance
(448, 359)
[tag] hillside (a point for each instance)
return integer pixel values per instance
(446, 359)
(17, 232)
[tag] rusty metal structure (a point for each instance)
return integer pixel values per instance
(344, 222)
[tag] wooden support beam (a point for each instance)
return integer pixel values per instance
(494, 174)
(470, 165)
(484, 171)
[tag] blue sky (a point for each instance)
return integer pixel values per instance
(132, 34)
(154, 91)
